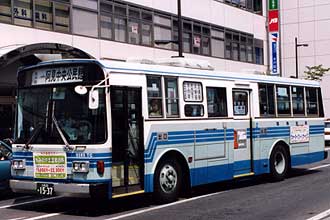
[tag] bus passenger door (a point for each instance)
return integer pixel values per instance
(243, 123)
(127, 140)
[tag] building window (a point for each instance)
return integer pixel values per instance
(242, 46)
(134, 26)
(146, 28)
(259, 51)
(311, 98)
(240, 103)
(249, 5)
(162, 31)
(106, 21)
(90, 4)
(43, 14)
(171, 98)
(228, 45)
(217, 43)
(298, 100)
(249, 50)
(23, 12)
(84, 22)
(216, 102)
(154, 96)
(5, 11)
(120, 23)
(283, 100)
(266, 100)
(62, 17)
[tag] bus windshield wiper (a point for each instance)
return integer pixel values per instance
(67, 146)
(33, 136)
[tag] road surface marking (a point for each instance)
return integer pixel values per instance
(44, 216)
(16, 218)
(165, 206)
(29, 202)
(319, 167)
(321, 215)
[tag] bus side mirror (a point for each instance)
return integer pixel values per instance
(93, 101)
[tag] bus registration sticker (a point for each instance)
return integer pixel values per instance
(50, 165)
(299, 134)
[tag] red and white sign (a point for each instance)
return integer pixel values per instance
(273, 21)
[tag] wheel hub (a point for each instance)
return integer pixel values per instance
(168, 179)
(279, 162)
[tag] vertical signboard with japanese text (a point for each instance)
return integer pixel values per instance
(274, 36)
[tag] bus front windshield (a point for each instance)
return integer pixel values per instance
(44, 113)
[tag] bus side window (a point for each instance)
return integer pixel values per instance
(171, 98)
(216, 102)
(266, 100)
(240, 103)
(154, 96)
(319, 96)
(311, 98)
(192, 110)
(283, 100)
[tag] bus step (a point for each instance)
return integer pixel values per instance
(244, 175)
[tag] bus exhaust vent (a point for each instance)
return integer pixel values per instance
(176, 62)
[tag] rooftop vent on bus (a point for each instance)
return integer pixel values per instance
(177, 62)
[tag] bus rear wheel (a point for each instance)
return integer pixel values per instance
(279, 163)
(167, 180)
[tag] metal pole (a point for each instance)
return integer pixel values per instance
(296, 48)
(180, 30)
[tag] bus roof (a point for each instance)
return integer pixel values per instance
(152, 69)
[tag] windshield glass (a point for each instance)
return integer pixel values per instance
(36, 108)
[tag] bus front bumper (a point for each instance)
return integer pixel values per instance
(63, 189)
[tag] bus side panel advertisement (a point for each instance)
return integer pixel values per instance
(299, 134)
(50, 165)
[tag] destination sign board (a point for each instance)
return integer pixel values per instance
(58, 75)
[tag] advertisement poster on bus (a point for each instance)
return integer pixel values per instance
(50, 165)
(299, 134)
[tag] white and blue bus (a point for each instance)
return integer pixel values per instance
(111, 129)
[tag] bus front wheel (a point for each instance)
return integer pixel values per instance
(279, 163)
(167, 181)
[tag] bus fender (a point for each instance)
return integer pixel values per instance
(274, 144)
(161, 155)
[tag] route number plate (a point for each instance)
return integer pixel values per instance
(45, 189)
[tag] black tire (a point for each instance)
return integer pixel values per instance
(279, 163)
(167, 189)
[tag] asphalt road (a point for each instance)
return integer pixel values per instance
(305, 194)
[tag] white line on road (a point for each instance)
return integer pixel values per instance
(321, 215)
(164, 206)
(44, 216)
(29, 202)
(189, 200)
(16, 218)
(319, 167)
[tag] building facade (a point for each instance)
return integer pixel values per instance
(309, 22)
(230, 34)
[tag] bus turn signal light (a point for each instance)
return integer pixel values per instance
(100, 167)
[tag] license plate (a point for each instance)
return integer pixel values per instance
(45, 189)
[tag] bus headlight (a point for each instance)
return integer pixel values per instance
(80, 166)
(18, 164)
